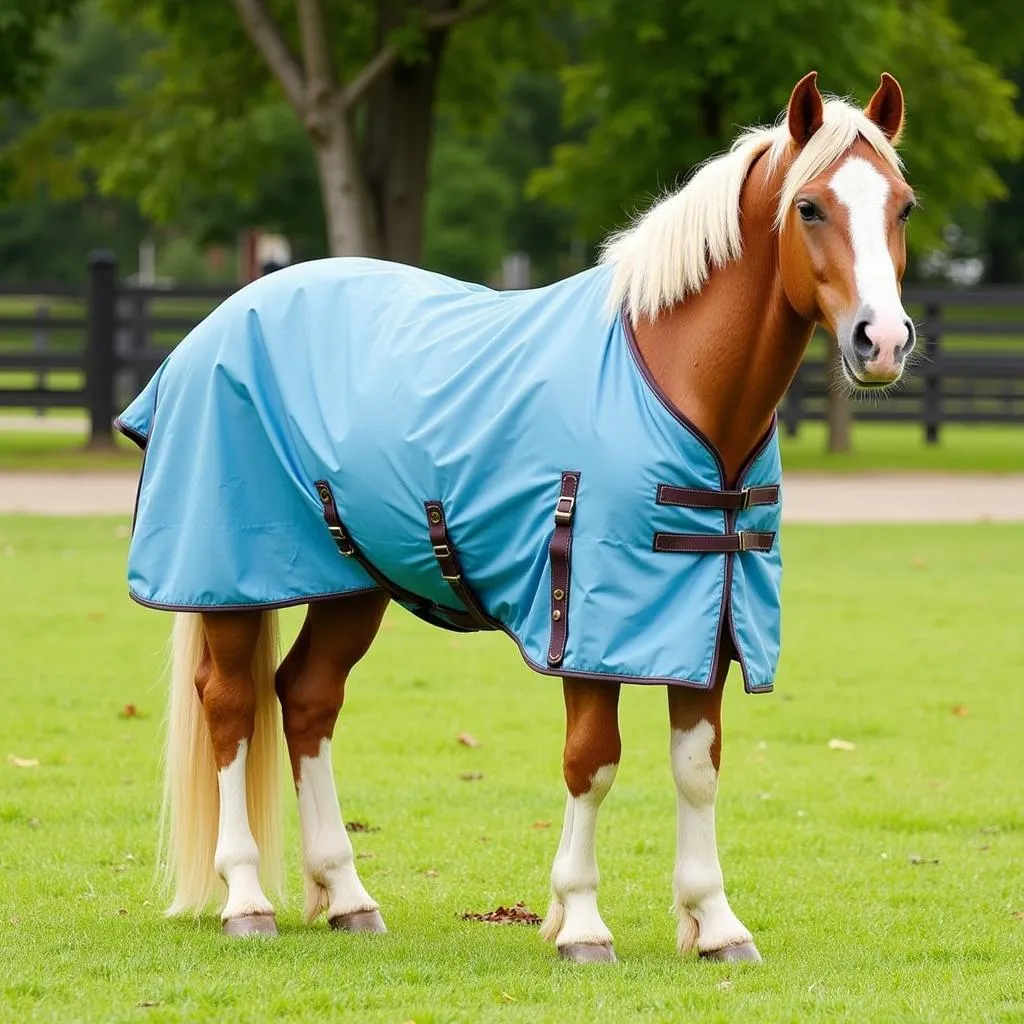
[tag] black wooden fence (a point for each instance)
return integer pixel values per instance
(104, 345)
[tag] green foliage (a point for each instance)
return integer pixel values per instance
(24, 57)
(467, 212)
(665, 84)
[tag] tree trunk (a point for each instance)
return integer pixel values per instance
(399, 133)
(351, 226)
(837, 407)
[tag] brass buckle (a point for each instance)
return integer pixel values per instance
(342, 540)
(746, 541)
(745, 499)
(442, 551)
(564, 510)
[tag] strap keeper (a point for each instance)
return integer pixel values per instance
(442, 551)
(745, 502)
(746, 540)
(565, 510)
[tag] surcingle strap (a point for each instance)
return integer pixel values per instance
(560, 555)
(451, 568)
(714, 543)
(448, 618)
(732, 501)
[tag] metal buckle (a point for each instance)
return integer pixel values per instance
(564, 510)
(451, 579)
(442, 551)
(745, 543)
(745, 498)
(342, 539)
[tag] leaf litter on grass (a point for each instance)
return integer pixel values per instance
(518, 913)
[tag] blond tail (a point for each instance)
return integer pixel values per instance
(191, 804)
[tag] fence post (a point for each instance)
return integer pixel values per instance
(932, 373)
(100, 361)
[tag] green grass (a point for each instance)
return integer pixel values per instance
(885, 447)
(886, 633)
(26, 451)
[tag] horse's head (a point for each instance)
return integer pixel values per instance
(842, 232)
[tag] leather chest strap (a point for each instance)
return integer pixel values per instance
(451, 568)
(560, 555)
(732, 501)
(714, 543)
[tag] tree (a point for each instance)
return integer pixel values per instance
(664, 84)
(363, 79)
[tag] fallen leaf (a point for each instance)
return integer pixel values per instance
(363, 855)
(23, 762)
(430, 873)
(542, 824)
(960, 711)
(471, 776)
(467, 739)
(128, 711)
(518, 913)
(1018, 915)
(360, 826)
(122, 912)
(835, 744)
(916, 858)
(507, 998)
(149, 1002)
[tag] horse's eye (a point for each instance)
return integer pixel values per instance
(907, 211)
(808, 211)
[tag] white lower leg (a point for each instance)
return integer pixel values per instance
(705, 918)
(237, 858)
(332, 881)
(573, 915)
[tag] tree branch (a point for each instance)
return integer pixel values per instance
(381, 61)
(315, 51)
(266, 37)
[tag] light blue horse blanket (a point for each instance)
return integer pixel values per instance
(396, 386)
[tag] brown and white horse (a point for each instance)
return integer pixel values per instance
(723, 281)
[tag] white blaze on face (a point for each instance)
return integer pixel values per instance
(865, 192)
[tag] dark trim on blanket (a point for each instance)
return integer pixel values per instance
(131, 433)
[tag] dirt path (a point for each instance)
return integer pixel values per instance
(809, 497)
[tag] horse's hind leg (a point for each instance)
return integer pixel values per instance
(592, 750)
(226, 688)
(705, 918)
(311, 687)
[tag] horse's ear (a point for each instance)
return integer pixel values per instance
(806, 110)
(886, 108)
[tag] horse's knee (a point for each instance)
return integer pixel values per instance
(584, 759)
(693, 763)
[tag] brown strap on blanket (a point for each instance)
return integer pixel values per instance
(421, 606)
(560, 554)
(451, 568)
(714, 543)
(733, 501)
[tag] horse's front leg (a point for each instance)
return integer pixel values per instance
(311, 687)
(592, 749)
(705, 918)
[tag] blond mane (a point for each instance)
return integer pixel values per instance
(668, 252)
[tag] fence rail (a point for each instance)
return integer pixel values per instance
(103, 344)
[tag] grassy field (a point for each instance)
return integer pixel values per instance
(883, 883)
(876, 447)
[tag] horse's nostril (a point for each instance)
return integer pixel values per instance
(862, 344)
(908, 346)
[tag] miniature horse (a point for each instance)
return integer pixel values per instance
(722, 283)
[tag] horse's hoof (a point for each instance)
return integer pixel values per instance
(360, 921)
(742, 952)
(250, 924)
(588, 953)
